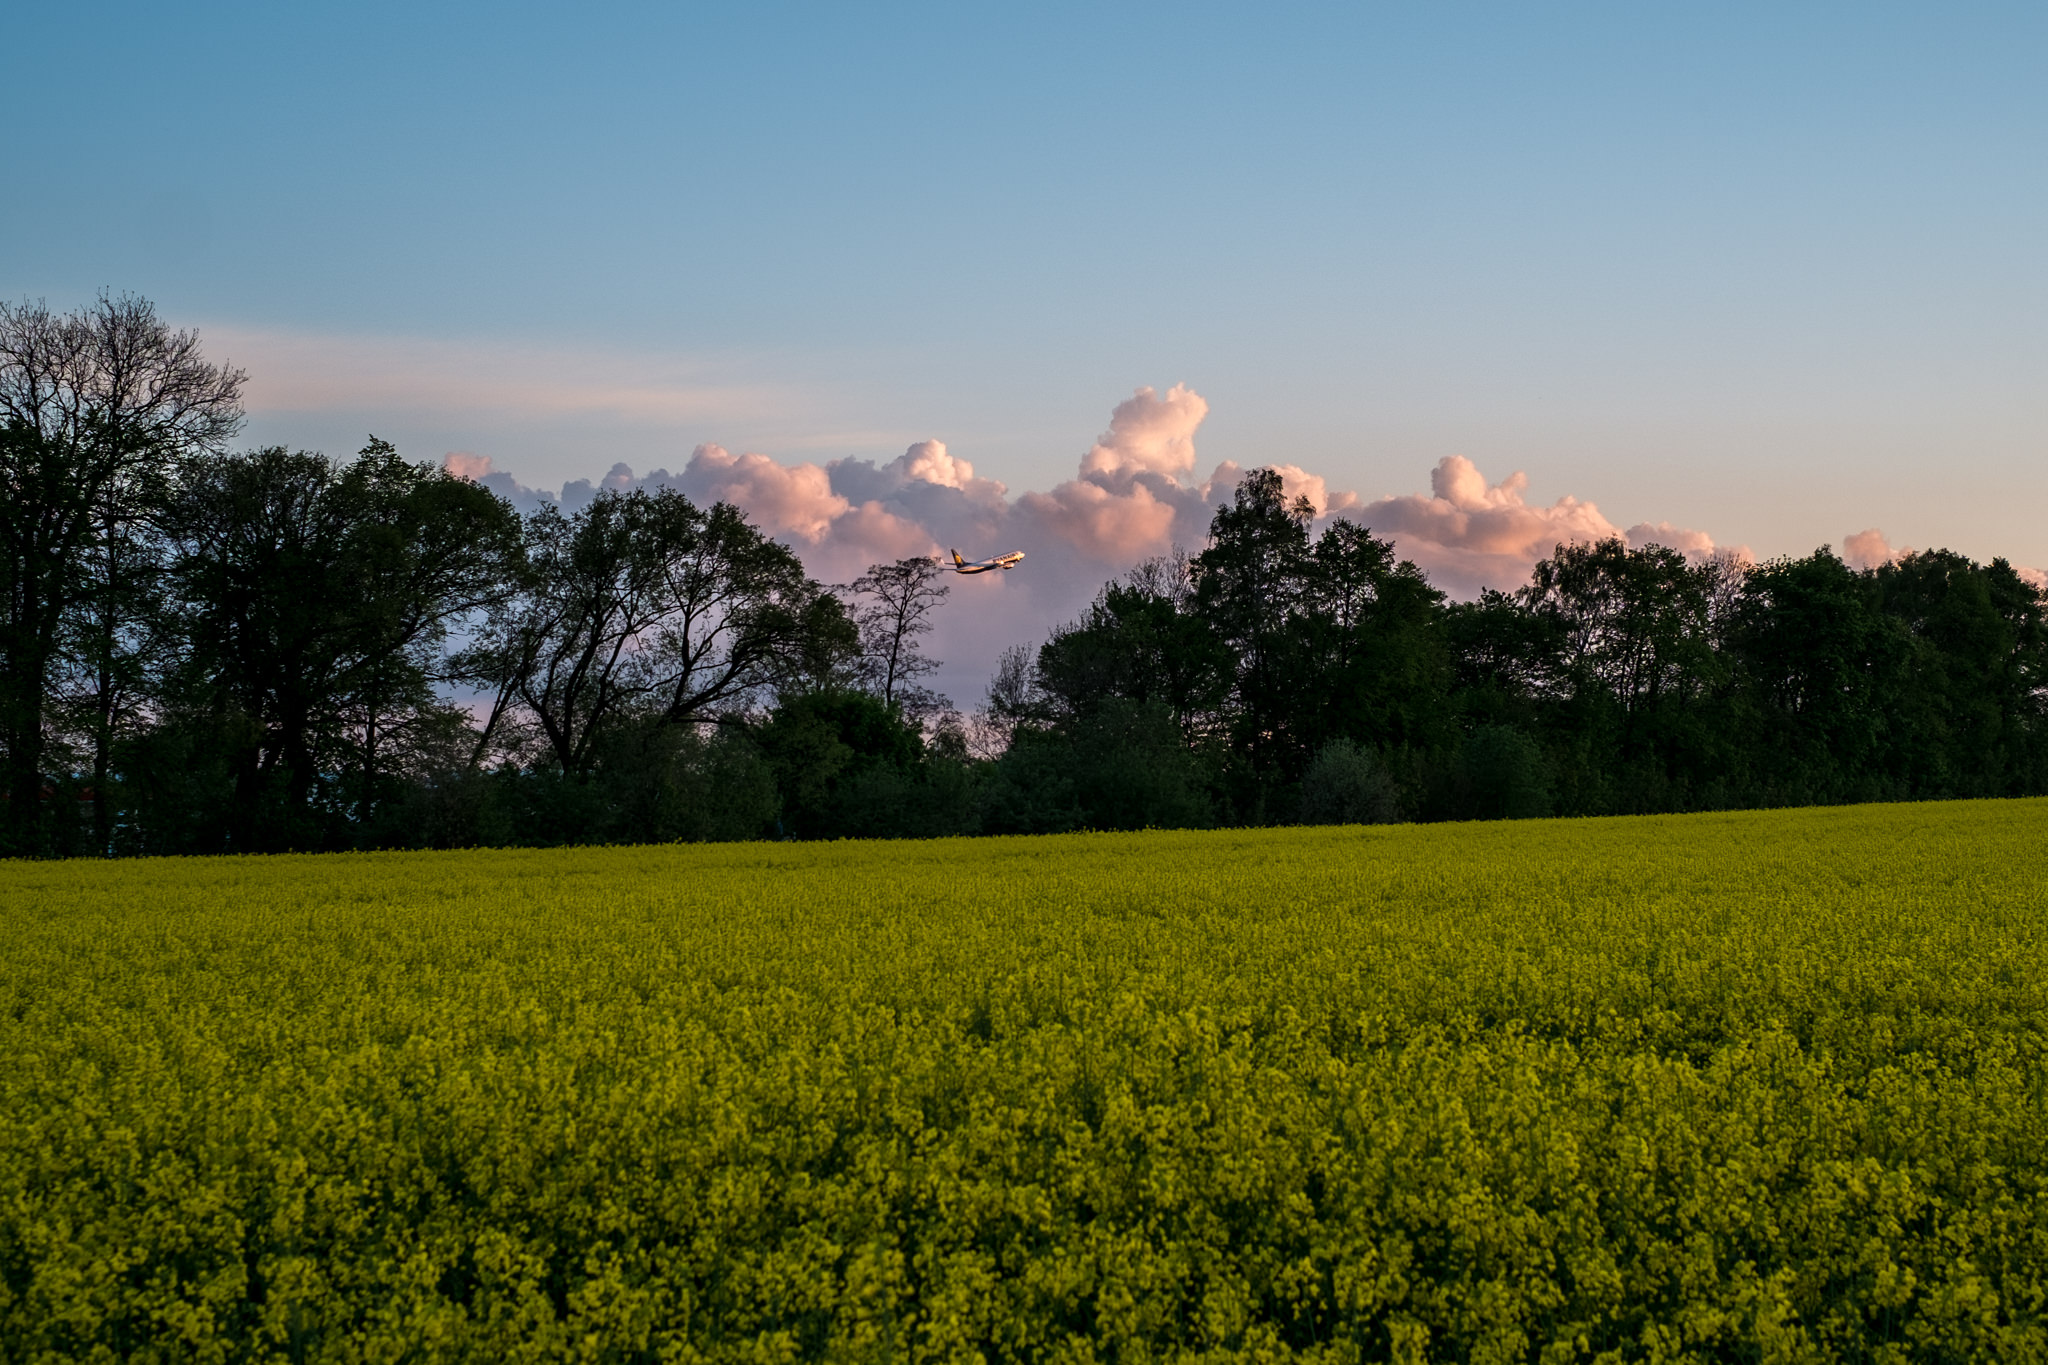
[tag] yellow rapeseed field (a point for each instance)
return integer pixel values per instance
(1760, 1086)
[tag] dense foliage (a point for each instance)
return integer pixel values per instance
(205, 651)
(1754, 1086)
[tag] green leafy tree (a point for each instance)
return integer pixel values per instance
(1372, 659)
(1966, 699)
(314, 601)
(1330, 636)
(1248, 587)
(1636, 683)
(1348, 785)
(644, 608)
(844, 760)
(1633, 624)
(1820, 664)
(1500, 774)
(1139, 643)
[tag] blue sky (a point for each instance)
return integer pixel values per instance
(1776, 272)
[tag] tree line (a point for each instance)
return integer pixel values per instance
(206, 650)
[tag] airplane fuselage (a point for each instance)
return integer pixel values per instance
(1008, 561)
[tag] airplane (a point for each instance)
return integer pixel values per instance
(1008, 561)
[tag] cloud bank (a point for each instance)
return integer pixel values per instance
(1135, 494)
(1871, 550)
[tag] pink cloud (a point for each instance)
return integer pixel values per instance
(478, 469)
(1107, 525)
(864, 535)
(463, 465)
(1697, 546)
(930, 462)
(794, 500)
(1295, 482)
(1870, 550)
(1470, 534)
(1149, 435)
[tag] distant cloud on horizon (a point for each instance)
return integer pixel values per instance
(1133, 496)
(1869, 549)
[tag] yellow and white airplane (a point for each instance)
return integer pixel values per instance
(1008, 561)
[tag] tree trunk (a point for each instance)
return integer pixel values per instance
(367, 805)
(26, 692)
(25, 783)
(103, 762)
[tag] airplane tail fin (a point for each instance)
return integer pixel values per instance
(957, 560)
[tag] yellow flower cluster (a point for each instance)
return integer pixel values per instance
(1767, 1086)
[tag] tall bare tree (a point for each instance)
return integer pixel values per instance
(893, 607)
(99, 408)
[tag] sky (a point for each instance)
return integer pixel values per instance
(1748, 276)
